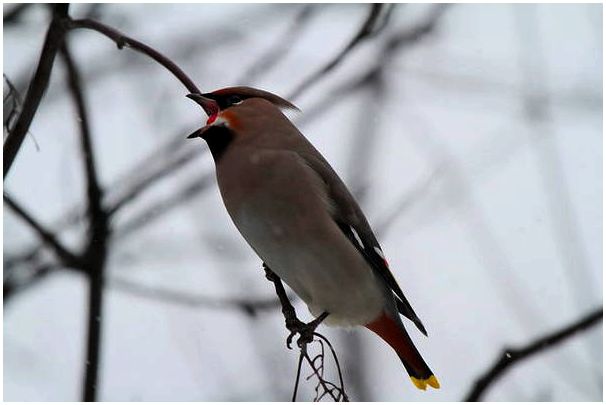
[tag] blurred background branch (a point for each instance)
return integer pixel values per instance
(512, 356)
(95, 253)
(37, 87)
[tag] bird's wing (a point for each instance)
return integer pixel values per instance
(350, 219)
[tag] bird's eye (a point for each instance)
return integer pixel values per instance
(234, 100)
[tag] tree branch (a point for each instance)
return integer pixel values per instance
(512, 356)
(134, 223)
(14, 14)
(67, 257)
(122, 40)
(96, 251)
(282, 46)
(60, 24)
(155, 173)
(54, 38)
(407, 37)
(13, 285)
(250, 307)
(11, 105)
(307, 335)
(366, 31)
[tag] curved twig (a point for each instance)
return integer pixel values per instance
(308, 333)
(122, 40)
(334, 355)
(13, 99)
(59, 26)
(511, 356)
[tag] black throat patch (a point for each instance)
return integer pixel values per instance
(218, 139)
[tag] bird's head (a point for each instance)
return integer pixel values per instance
(219, 104)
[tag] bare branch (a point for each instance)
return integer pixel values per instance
(60, 24)
(122, 40)
(146, 216)
(67, 257)
(408, 37)
(96, 251)
(512, 356)
(307, 333)
(280, 49)
(14, 14)
(155, 173)
(142, 219)
(11, 104)
(367, 30)
(54, 38)
(96, 213)
(250, 307)
(14, 282)
(165, 160)
(414, 34)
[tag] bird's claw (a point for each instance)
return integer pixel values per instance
(295, 326)
(305, 330)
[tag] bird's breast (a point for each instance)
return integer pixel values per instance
(281, 208)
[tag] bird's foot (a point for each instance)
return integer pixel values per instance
(305, 330)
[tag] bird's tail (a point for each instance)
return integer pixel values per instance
(393, 332)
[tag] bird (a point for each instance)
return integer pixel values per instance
(301, 220)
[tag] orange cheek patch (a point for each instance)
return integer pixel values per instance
(231, 119)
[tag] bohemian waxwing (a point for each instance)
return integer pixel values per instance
(299, 217)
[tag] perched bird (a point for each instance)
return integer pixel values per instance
(300, 219)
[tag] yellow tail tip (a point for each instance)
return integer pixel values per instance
(422, 384)
(433, 382)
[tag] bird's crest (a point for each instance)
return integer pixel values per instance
(244, 92)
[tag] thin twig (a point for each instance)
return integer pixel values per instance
(294, 324)
(403, 39)
(297, 378)
(512, 356)
(249, 307)
(122, 40)
(280, 49)
(334, 355)
(180, 197)
(154, 174)
(321, 380)
(366, 31)
(13, 98)
(67, 257)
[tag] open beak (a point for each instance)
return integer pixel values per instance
(196, 134)
(209, 105)
(211, 108)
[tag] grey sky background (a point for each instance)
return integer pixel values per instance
(477, 157)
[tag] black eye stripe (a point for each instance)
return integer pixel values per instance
(227, 101)
(233, 99)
